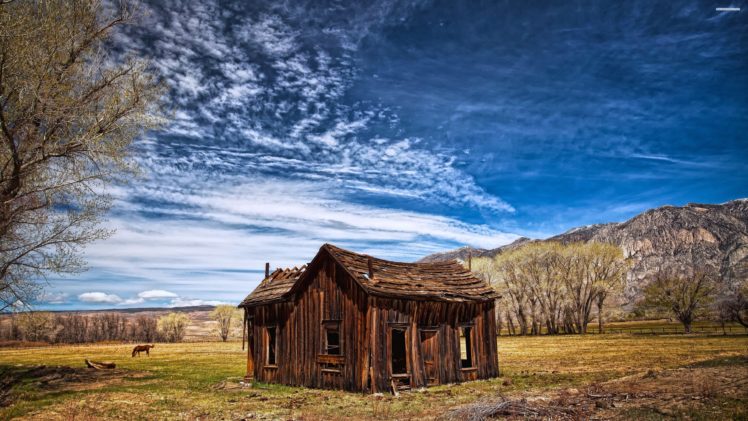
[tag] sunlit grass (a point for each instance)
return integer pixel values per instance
(179, 380)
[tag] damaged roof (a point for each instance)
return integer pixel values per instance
(274, 287)
(440, 281)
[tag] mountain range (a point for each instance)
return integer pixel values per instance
(696, 236)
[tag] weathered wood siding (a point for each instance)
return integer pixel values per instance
(331, 297)
(444, 319)
(365, 322)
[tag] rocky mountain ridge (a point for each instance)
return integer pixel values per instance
(696, 236)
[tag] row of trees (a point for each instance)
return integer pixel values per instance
(554, 287)
(78, 328)
(81, 328)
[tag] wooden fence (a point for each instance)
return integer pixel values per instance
(659, 330)
(673, 330)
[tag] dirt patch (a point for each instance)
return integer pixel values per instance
(55, 379)
(675, 392)
(719, 391)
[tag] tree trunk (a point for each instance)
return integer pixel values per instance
(743, 322)
(600, 302)
(510, 323)
(687, 326)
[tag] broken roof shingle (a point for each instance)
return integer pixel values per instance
(274, 287)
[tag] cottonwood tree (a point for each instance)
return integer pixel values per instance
(541, 263)
(225, 316)
(607, 267)
(36, 326)
(73, 328)
(555, 285)
(733, 303)
(145, 329)
(173, 326)
(69, 110)
(685, 296)
(485, 269)
(594, 271)
(515, 290)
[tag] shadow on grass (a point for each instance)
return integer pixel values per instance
(736, 360)
(24, 388)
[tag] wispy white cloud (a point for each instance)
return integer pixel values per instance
(265, 161)
(189, 302)
(160, 298)
(219, 240)
(156, 294)
(53, 297)
(290, 108)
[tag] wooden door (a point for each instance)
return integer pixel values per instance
(429, 353)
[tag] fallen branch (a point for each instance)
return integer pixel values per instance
(510, 408)
(100, 365)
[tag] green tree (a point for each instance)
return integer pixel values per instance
(69, 110)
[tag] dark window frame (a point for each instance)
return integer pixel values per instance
(467, 331)
(328, 327)
(271, 346)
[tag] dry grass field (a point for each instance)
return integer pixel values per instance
(565, 377)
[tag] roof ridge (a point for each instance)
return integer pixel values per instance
(442, 281)
(333, 247)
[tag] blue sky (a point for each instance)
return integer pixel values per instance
(401, 128)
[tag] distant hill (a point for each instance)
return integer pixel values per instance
(462, 253)
(185, 309)
(695, 235)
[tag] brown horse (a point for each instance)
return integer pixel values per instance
(140, 348)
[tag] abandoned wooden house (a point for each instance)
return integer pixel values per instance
(354, 322)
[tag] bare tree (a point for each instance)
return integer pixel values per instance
(686, 297)
(173, 326)
(145, 329)
(36, 326)
(499, 323)
(732, 304)
(542, 267)
(69, 110)
(550, 284)
(510, 323)
(596, 269)
(607, 268)
(73, 329)
(225, 315)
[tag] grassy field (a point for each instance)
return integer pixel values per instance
(701, 377)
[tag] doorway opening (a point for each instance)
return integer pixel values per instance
(397, 352)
